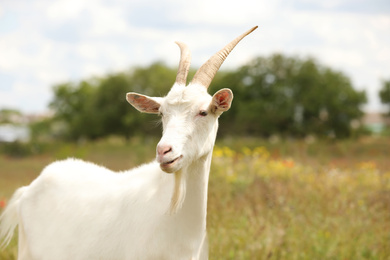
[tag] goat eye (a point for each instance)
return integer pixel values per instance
(203, 113)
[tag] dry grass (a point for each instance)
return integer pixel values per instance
(267, 208)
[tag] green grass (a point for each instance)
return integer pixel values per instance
(284, 200)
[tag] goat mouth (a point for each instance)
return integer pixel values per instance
(169, 164)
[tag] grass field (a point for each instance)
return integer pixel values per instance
(280, 200)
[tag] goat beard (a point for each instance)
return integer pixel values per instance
(179, 193)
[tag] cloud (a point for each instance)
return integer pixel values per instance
(48, 42)
(344, 6)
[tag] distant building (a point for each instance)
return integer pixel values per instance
(14, 125)
(376, 123)
(11, 133)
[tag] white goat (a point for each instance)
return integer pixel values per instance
(78, 210)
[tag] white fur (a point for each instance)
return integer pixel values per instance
(79, 210)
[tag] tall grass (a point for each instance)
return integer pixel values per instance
(286, 200)
(265, 208)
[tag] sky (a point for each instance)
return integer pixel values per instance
(47, 42)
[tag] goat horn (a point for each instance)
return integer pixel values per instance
(207, 71)
(184, 64)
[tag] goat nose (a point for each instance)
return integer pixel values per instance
(163, 150)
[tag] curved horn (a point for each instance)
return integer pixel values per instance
(184, 64)
(207, 71)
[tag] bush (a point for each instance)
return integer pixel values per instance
(19, 149)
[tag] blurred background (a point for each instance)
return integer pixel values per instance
(311, 68)
(305, 144)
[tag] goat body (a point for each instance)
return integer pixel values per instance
(94, 213)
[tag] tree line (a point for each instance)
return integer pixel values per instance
(278, 94)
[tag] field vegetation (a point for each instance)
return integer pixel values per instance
(267, 200)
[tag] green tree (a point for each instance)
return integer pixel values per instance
(10, 116)
(109, 105)
(154, 80)
(384, 94)
(96, 108)
(290, 96)
(71, 105)
(273, 95)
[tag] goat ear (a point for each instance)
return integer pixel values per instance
(222, 101)
(143, 103)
